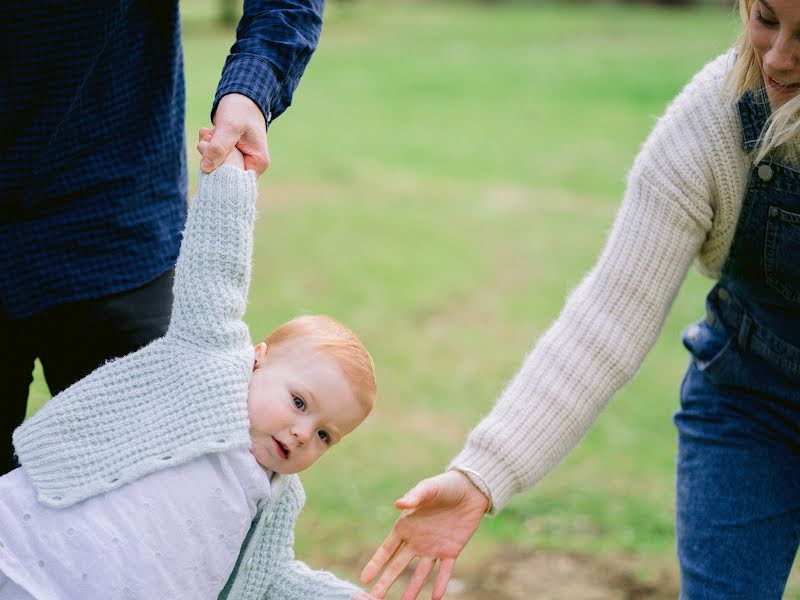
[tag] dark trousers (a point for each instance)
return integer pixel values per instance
(71, 341)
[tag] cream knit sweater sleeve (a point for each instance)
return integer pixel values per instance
(690, 162)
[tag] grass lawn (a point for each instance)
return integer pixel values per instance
(446, 175)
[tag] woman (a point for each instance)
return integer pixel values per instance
(717, 183)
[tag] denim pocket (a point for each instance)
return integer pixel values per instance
(709, 345)
(782, 253)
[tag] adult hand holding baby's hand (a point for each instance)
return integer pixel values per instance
(238, 125)
(234, 159)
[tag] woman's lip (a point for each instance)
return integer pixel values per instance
(782, 87)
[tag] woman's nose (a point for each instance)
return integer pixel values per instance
(781, 58)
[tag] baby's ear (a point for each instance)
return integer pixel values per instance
(260, 355)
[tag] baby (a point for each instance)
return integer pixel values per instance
(169, 473)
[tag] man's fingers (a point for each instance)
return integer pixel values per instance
(421, 574)
(203, 137)
(205, 133)
(445, 571)
(257, 163)
(399, 561)
(381, 557)
(222, 141)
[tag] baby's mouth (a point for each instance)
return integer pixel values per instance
(283, 450)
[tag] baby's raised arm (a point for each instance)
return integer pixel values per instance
(177, 398)
(212, 275)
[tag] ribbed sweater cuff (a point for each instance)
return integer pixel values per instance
(229, 182)
(493, 474)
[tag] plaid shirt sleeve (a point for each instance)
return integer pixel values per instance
(274, 42)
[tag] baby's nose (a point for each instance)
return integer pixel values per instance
(303, 433)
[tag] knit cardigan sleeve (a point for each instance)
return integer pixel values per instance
(612, 319)
(212, 275)
(267, 569)
(299, 582)
(178, 397)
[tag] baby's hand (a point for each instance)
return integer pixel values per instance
(234, 159)
(362, 595)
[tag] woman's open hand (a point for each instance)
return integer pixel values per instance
(440, 514)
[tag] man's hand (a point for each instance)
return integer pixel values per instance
(238, 123)
(234, 158)
(440, 514)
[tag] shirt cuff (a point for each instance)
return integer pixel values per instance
(251, 76)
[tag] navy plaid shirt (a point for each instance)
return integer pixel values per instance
(93, 183)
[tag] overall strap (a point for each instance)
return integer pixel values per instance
(754, 111)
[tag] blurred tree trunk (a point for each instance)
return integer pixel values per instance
(228, 12)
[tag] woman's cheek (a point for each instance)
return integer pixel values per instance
(759, 39)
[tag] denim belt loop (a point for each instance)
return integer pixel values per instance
(745, 333)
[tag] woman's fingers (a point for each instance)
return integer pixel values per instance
(445, 572)
(421, 574)
(381, 557)
(396, 565)
(424, 490)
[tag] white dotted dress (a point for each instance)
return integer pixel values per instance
(175, 533)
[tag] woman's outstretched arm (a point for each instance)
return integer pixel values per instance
(607, 327)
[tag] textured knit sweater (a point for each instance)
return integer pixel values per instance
(180, 397)
(681, 205)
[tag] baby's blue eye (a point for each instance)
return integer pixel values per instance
(298, 403)
(323, 435)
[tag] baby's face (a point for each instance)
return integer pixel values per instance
(300, 404)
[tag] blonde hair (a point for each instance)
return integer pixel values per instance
(330, 336)
(747, 75)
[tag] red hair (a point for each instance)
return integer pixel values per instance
(330, 336)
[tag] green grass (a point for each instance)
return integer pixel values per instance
(446, 175)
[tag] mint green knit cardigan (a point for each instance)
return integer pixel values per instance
(180, 397)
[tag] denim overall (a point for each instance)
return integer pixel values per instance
(738, 472)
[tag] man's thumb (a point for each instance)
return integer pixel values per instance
(221, 143)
